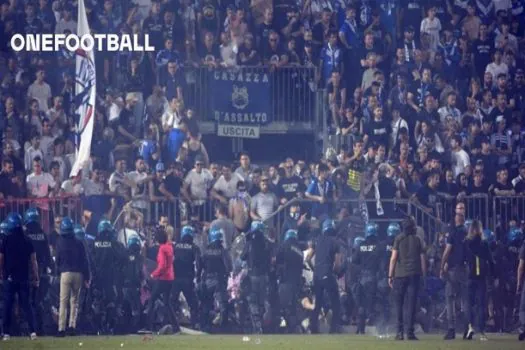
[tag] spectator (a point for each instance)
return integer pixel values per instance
(427, 195)
(321, 191)
(33, 151)
(225, 187)
(6, 182)
(41, 91)
(119, 184)
(196, 186)
(225, 224)
(264, 203)
(140, 182)
(173, 82)
(39, 183)
(501, 142)
(460, 158)
(497, 67)
(239, 208)
(66, 22)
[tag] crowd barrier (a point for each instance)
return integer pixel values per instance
(494, 212)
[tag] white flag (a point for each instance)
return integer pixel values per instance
(85, 95)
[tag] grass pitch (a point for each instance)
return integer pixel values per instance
(277, 342)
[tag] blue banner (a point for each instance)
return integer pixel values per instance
(240, 96)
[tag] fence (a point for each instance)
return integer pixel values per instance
(253, 95)
(494, 211)
(49, 208)
(477, 206)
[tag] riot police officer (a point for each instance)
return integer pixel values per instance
(290, 270)
(43, 255)
(520, 277)
(17, 259)
(133, 277)
(327, 256)
(107, 252)
(216, 267)
(392, 232)
(368, 258)
(257, 253)
(187, 262)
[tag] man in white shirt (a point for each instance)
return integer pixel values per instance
(450, 109)
(41, 91)
(119, 184)
(39, 184)
(57, 116)
(66, 23)
(225, 187)
(196, 186)
(72, 186)
(33, 152)
(139, 188)
(171, 119)
(460, 158)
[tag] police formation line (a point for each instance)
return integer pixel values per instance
(115, 288)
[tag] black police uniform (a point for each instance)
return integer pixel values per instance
(216, 267)
(522, 299)
(383, 289)
(108, 258)
(133, 276)
(368, 258)
(43, 257)
(456, 284)
(326, 249)
(17, 250)
(187, 261)
(290, 270)
(258, 254)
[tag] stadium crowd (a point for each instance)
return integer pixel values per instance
(426, 100)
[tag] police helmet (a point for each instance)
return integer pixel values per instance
(357, 241)
(4, 228)
(187, 231)
(31, 215)
(216, 234)
(290, 234)
(66, 226)
(134, 241)
(104, 226)
(14, 221)
(489, 236)
(393, 229)
(257, 226)
(328, 226)
(371, 230)
(515, 235)
(79, 232)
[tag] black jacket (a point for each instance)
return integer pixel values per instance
(71, 256)
(480, 261)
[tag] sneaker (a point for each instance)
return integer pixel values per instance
(6, 337)
(400, 336)
(217, 320)
(33, 336)
(61, 334)
(71, 332)
(483, 337)
(469, 333)
(411, 336)
(451, 335)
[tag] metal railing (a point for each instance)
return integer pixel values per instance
(494, 212)
(477, 206)
(292, 95)
(49, 208)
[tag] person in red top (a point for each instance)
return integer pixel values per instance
(162, 281)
